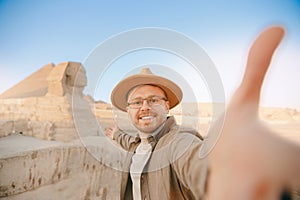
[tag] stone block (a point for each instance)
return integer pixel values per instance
(20, 126)
(31, 101)
(64, 134)
(6, 128)
(43, 130)
(64, 124)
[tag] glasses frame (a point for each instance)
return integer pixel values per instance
(131, 103)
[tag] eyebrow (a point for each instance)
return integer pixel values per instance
(148, 97)
(138, 86)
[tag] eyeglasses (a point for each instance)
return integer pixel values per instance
(151, 100)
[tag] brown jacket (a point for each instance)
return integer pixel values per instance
(174, 170)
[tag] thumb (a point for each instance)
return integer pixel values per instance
(259, 59)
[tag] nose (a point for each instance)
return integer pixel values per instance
(145, 105)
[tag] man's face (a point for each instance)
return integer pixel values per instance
(148, 118)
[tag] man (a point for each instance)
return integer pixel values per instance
(247, 162)
(164, 153)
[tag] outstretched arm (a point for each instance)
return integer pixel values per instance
(249, 161)
(125, 140)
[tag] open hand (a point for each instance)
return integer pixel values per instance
(109, 132)
(249, 161)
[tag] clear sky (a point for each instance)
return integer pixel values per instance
(34, 33)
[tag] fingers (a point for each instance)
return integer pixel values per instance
(109, 132)
(259, 58)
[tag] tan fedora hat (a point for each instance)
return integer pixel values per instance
(145, 77)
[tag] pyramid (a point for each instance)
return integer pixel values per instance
(34, 85)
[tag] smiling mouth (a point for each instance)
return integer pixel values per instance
(147, 117)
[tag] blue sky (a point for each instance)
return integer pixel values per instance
(34, 33)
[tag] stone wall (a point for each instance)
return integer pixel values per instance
(50, 170)
(48, 118)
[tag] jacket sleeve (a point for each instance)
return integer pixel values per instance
(125, 140)
(191, 170)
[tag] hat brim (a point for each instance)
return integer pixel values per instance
(119, 93)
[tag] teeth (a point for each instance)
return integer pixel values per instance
(147, 117)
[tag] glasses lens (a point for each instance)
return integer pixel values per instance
(138, 103)
(153, 100)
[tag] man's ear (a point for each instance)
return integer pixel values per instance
(168, 106)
